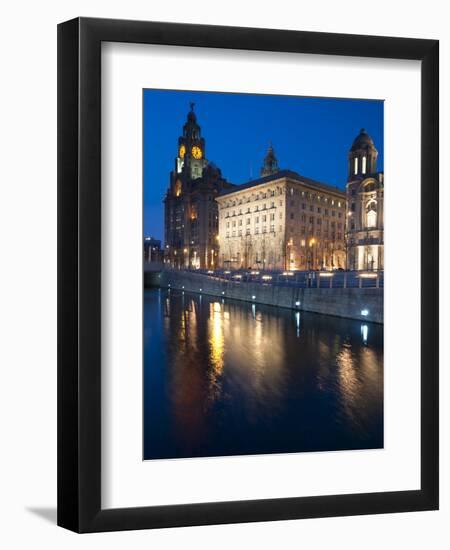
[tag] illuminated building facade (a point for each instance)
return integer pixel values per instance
(282, 221)
(365, 204)
(191, 213)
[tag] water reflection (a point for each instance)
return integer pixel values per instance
(224, 377)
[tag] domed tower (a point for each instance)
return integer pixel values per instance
(270, 165)
(365, 207)
(362, 157)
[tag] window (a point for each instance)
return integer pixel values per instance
(364, 162)
(355, 167)
(371, 214)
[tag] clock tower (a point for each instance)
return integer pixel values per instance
(191, 149)
(191, 212)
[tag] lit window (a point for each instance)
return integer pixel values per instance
(371, 214)
(356, 165)
(364, 162)
(371, 218)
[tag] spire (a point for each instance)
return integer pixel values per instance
(270, 165)
(191, 130)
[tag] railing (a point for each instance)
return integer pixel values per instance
(302, 279)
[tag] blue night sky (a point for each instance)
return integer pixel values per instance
(310, 136)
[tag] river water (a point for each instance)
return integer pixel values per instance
(224, 377)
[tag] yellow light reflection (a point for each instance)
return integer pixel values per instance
(348, 380)
(216, 349)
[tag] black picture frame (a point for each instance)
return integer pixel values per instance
(79, 274)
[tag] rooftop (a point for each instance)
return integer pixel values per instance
(284, 174)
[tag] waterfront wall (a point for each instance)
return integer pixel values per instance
(341, 302)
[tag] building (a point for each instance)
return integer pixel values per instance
(191, 212)
(281, 221)
(270, 165)
(152, 250)
(365, 198)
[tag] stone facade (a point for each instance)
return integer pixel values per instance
(282, 221)
(365, 207)
(191, 213)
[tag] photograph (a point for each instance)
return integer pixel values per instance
(263, 271)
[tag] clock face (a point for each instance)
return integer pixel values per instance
(196, 152)
(182, 151)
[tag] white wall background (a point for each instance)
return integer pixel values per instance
(28, 272)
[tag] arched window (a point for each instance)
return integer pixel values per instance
(368, 186)
(177, 188)
(355, 168)
(371, 214)
(364, 164)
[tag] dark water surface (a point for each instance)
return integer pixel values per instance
(232, 378)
